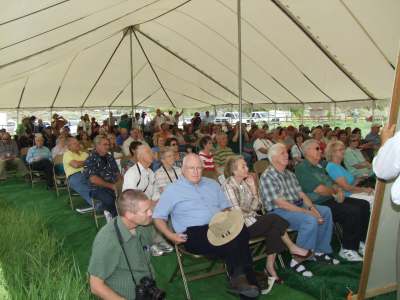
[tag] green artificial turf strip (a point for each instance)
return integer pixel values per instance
(78, 231)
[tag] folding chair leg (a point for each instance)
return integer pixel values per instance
(184, 280)
(281, 262)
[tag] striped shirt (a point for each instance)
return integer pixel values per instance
(276, 185)
(165, 176)
(221, 154)
(208, 161)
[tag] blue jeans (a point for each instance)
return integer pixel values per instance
(310, 234)
(79, 183)
(107, 198)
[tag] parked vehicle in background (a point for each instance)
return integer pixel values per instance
(259, 116)
(231, 117)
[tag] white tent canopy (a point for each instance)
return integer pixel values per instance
(71, 54)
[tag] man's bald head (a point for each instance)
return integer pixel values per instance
(192, 168)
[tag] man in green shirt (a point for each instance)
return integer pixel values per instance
(110, 277)
(351, 214)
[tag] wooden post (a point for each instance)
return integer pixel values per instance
(379, 192)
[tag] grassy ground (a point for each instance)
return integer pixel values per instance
(68, 237)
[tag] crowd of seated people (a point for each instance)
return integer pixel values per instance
(307, 187)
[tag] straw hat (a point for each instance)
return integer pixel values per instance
(224, 227)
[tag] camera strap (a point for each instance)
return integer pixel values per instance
(119, 236)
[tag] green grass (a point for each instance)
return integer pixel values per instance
(47, 248)
(33, 261)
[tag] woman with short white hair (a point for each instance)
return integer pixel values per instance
(167, 173)
(241, 190)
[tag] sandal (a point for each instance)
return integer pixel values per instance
(327, 259)
(277, 280)
(298, 257)
(298, 267)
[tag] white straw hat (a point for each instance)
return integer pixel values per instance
(224, 227)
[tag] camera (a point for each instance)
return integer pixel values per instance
(147, 290)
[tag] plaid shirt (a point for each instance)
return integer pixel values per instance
(241, 197)
(9, 147)
(279, 185)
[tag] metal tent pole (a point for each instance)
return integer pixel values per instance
(131, 71)
(239, 25)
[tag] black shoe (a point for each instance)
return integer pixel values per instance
(240, 285)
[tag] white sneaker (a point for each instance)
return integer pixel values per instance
(165, 247)
(350, 255)
(361, 249)
(108, 216)
(155, 250)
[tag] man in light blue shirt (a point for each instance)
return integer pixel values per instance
(191, 202)
(39, 158)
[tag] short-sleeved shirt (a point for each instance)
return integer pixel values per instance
(104, 167)
(374, 138)
(336, 171)
(261, 143)
(9, 148)
(221, 154)
(310, 177)
(68, 157)
(108, 262)
(208, 161)
(140, 178)
(353, 157)
(190, 204)
(38, 153)
(165, 176)
(276, 185)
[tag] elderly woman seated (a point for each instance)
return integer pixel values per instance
(356, 164)
(241, 190)
(334, 154)
(167, 173)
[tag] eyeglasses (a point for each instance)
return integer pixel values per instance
(173, 144)
(195, 169)
(354, 141)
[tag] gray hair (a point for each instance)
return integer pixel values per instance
(97, 140)
(274, 149)
(166, 150)
(307, 144)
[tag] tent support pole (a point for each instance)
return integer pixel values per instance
(302, 115)
(239, 31)
(379, 193)
(334, 113)
(373, 109)
(131, 73)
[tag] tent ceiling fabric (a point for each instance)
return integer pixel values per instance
(70, 53)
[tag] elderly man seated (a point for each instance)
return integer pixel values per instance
(136, 135)
(283, 196)
(74, 161)
(191, 202)
(103, 174)
(9, 156)
(39, 158)
(351, 214)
